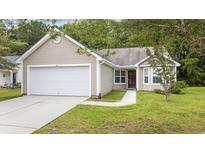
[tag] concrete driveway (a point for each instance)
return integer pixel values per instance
(26, 114)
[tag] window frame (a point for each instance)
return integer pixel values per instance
(153, 75)
(148, 75)
(120, 76)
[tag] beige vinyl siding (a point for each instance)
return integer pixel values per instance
(106, 79)
(150, 86)
(6, 79)
(63, 53)
(140, 82)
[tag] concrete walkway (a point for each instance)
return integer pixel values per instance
(128, 99)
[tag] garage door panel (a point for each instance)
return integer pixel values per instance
(59, 81)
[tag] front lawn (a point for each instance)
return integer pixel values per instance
(113, 96)
(183, 114)
(9, 93)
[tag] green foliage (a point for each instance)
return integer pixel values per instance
(29, 31)
(17, 86)
(8, 46)
(184, 39)
(191, 68)
(177, 87)
(182, 84)
(160, 62)
(95, 34)
(158, 91)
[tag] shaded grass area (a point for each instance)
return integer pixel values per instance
(113, 96)
(9, 93)
(183, 114)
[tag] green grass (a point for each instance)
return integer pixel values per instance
(183, 114)
(113, 96)
(9, 93)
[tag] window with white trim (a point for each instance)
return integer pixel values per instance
(119, 76)
(146, 75)
(155, 78)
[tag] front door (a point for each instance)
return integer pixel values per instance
(14, 79)
(132, 79)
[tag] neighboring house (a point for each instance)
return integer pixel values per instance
(53, 67)
(9, 78)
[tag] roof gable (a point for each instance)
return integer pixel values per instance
(45, 39)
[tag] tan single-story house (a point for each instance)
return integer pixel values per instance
(10, 77)
(54, 67)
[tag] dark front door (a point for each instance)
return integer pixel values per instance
(132, 79)
(14, 79)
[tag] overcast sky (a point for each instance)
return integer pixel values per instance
(61, 22)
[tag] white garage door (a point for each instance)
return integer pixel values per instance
(71, 80)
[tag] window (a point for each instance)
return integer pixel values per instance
(119, 76)
(146, 75)
(155, 78)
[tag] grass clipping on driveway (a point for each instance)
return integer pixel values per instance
(113, 96)
(152, 114)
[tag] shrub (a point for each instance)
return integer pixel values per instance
(18, 85)
(158, 91)
(177, 87)
(182, 84)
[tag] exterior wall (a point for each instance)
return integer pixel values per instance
(117, 86)
(6, 79)
(19, 74)
(150, 86)
(63, 53)
(106, 79)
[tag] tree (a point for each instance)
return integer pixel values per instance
(29, 31)
(7, 47)
(184, 39)
(160, 61)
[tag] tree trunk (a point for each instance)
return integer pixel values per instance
(166, 97)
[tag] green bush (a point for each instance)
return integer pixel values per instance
(177, 87)
(158, 91)
(182, 84)
(18, 85)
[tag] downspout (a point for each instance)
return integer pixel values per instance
(99, 78)
(99, 62)
(137, 77)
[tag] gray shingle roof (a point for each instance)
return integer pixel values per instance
(125, 56)
(12, 59)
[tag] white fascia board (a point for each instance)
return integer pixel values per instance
(83, 47)
(148, 65)
(136, 65)
(176, 63)
(33, 48)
